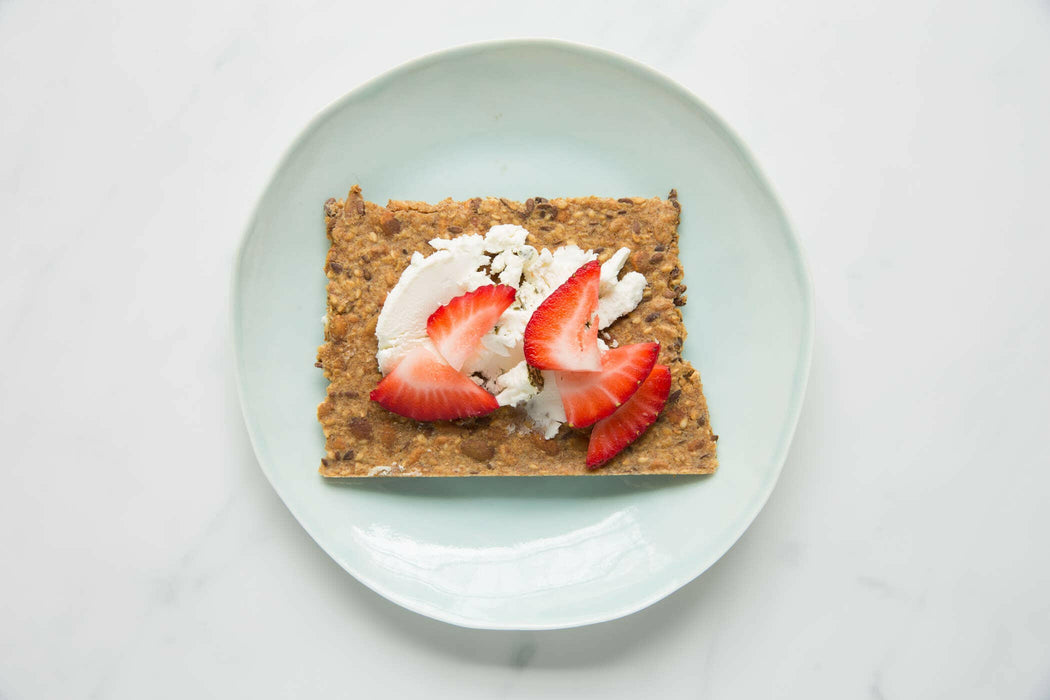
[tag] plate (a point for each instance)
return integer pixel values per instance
(519, 119)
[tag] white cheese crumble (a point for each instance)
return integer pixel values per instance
(515, 387)
(463, 264)
(546, 410)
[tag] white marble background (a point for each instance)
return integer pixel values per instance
(904, 553)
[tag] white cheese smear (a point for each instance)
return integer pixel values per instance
(463, 264)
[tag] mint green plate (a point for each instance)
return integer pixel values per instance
(518, 119)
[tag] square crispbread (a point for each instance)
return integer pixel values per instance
(371, 246)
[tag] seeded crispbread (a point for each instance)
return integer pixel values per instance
(370, 248)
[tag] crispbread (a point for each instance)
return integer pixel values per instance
(370, 248)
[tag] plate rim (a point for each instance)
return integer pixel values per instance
(802, 369)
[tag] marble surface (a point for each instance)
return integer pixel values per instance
(904, 553)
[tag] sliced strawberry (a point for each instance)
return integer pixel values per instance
(563, 331)
(422, 386)
(590, 396)
(613, 433)
(456, 328)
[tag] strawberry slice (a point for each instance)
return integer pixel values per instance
(423, 386)
(590, 396)
(563, 331)
(456, 328)
(613, 433)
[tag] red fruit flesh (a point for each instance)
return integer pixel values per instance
(612, 434)
(457, 327)
(424, 387)
(563, 331)
(590, 396)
